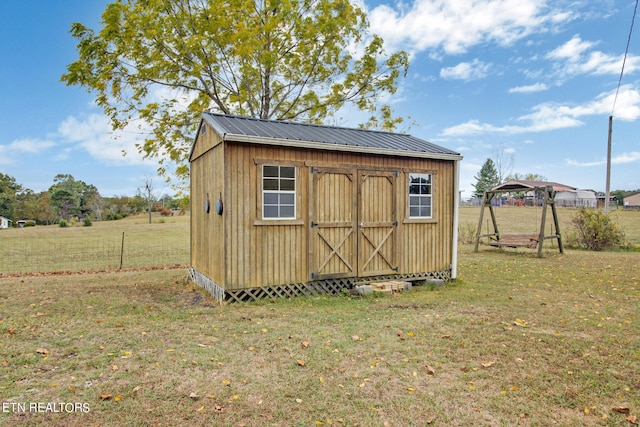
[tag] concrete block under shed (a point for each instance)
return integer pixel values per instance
(436, 282)
(364, 289)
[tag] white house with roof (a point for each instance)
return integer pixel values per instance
(5, 222)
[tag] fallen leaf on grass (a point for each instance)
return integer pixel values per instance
(430, 370)
(304, 344)
(487, 364)
(11, 331)
(355, 338)
(300, 362)
(521, 323)
(200, 409)
(621, 409)
(106, 396)
(118, 398)
(114, 367)
(632, 419)
(194, 396)
(42, 351)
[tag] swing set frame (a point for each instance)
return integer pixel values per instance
(516, 240)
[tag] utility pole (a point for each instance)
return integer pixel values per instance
(608, 184)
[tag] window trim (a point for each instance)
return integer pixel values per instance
(293, 192)
(420, 219)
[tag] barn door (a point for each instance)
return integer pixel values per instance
(377, 223)
(333, 223)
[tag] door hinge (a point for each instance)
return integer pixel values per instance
(395, 269)
(314, 224)
(395, 223)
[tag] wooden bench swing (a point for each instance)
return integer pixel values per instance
(519, 240)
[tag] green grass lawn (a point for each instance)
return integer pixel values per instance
(517, 340)
(51, 248)
(527, 220)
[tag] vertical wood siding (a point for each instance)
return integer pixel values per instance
(259, 252)
(207, 232)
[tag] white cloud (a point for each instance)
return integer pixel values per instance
(550, 116)
(16, 148)
(466, 71)
(538, 87)
(93, 133)
(28, 145)
(576, 57)
(454, 26)
(620, 159)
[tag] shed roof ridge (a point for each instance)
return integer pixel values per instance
(292, 123)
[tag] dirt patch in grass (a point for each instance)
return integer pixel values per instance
(516, 340)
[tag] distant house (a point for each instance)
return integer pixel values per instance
(632, 202)
(576, 199)
(5, 222)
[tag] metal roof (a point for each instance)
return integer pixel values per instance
(275, 132)
(520, 185)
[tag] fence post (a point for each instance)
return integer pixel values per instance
(122, 251)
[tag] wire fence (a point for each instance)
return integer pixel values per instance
(87, 249)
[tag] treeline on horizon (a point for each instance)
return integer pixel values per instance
(68, 198)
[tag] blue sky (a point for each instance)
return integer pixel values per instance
(530, 79)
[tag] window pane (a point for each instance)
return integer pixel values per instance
(424, 211)
(425, 189)
(270, 198)
(287, 184)
(287, 212)
(270, 171)
(270, 184)
(271, 212)
(414, 211)
(414, 189)
(414, 201)
(287, 199)
(287, 172)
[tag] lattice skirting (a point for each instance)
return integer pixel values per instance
(317, 287)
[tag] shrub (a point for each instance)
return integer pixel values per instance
(87, 222)
(467, 233)
(596, 231)
(63, 223)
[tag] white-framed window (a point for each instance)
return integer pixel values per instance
(420, 195)
(278, 192)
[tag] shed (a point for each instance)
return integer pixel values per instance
(5, 222)
(284, 209)
(576, 199)
(632, 202)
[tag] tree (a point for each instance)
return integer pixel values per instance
(72, 197)
(487, 178)
(526, 177)
(299, 60)
(148, 195)
(9, 188)
(503, 164)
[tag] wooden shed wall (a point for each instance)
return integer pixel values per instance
(267, 253)
(207, 229)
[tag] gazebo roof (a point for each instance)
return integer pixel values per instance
(523, 185)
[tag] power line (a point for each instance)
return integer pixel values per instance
(624, 60)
